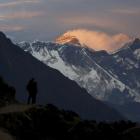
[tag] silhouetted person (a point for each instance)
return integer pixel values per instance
(32, 90)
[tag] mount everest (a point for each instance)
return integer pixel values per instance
(110, 77)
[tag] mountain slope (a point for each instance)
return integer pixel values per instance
(129, 60)
(90, 69)
(17, 67)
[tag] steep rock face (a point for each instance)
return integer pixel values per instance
(18, 67)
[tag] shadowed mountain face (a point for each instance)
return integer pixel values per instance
(18, 67)
(114, 78)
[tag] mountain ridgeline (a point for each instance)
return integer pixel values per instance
(113, 78)
(17, 67)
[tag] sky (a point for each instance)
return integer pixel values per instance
(47, 19)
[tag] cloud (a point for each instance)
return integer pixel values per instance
(10, 28)
(100, 22)
(20, 15)
(129, 11)
(62, 15)
(99, 40)
(17, 3)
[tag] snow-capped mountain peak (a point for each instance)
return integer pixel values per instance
(64, 39)
(131, 45)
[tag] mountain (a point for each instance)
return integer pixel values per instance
(18, 67)
(128, 58)
(67, 39)
(89, 68)
(113, 78)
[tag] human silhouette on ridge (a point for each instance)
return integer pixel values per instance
(32, 91)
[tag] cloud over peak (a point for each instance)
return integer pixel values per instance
(99, 40)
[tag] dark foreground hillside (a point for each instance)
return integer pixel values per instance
(50, 123)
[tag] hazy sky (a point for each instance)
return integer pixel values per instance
(47, 19)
